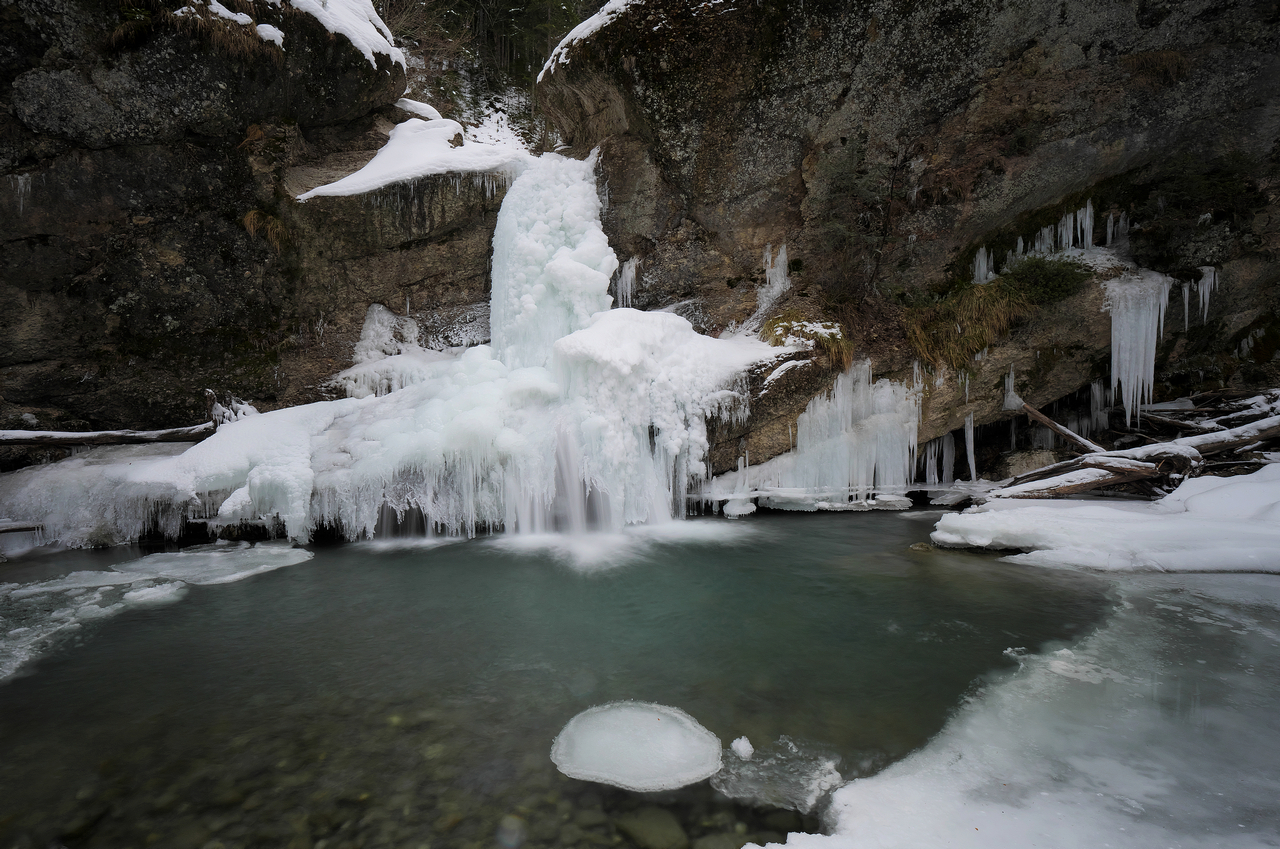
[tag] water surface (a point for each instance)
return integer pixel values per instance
(409, 696)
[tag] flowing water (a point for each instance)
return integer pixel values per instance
(409, 696)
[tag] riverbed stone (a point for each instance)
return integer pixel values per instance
(721, 840)
(652, 827)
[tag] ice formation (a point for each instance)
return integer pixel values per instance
(776, 282)
(1208, 280)
(637, 746)
(588, 416)
(857, 442)
(785, 774)
(1206, 524)
(418, 148)
(968, 447)
(626, 285)
(742, 748)
(1137, 301)
(1011, 399)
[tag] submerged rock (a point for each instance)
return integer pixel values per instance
(653, 828)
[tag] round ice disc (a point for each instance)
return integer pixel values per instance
(636, 746)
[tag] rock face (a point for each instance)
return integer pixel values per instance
(884, 143)
(149, 239)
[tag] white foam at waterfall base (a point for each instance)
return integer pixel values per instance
(600, 413)
(637, 746)
(1137, 302)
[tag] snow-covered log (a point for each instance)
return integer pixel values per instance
(104, 437)
(1183, 456)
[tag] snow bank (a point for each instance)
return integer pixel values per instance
(418, 148)
(1206, 525)
(34, 616)
(583, 31)
(637, 746)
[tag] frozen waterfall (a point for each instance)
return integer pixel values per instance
(1137, 301)
(577, 415)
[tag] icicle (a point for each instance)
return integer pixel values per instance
(626, 283)
(1137, 302)
(968, 447)
(1019, 250)
(982, 270)
(1013, 434)
(1208, 280)
(776, 282)
(1098, 405)
(1111, 224)
(1011, 399)
(948, 458)
(1186, 306)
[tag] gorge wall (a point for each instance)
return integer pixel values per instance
(150, 243)
(885, 142)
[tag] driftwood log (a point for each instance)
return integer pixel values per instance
(1177, 458)
(104, 437)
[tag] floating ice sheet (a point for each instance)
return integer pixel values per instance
(637, 746)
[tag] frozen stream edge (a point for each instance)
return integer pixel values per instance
(1158, 730)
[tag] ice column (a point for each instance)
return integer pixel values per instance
(1011, 399)
(551, 260)
(627, 283)
(968, 447)
(776, 282)
(1137, 302)
(860, 439)
(982, 266)
(1208, 280)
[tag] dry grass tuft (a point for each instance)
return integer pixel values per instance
(826, 337)
(954, 330)
(271, 228)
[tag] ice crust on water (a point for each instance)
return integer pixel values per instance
(786, 774)
(419, 148)
(1207, 524)
(1120, 740)
(36, 615)
(638, 746)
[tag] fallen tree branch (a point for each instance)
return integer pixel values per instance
(104, 437)
(1065, 433)
(1183, 456)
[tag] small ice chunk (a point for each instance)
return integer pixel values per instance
(737, 507)
(787, 774)
(636, 746)
(742, 748)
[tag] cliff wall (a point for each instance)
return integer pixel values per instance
(885, 142)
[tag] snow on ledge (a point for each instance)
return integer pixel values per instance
(583, 31)
(357, 20)
(419, 148)
(1207, 524)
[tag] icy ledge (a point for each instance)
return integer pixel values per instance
(1207, 524)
